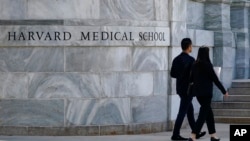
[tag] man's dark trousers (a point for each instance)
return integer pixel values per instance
(186, 107)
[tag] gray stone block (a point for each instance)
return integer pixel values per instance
(159, 127)
(98, 59)
(240, 19)
(178, 32)
(224, 39)
(242, 57)
(161, 83)
(32, 113)
(241, 73)
(129, 9)
(161, 10)
(178, 10)
(67, 9)
(150, 59)
(113, 130)
(64, 85)
(149, 109)
(31, 59)
(195, 15)
(217, 16)
(139, 128)
(204, 38)
(242, 40)
(98, 112)
(13, 9)
(13, 130)
(13, 85)
(127, 84)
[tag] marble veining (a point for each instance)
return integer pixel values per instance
(31, 59)
(150, 59)
(98, 112)
(32, 113)
(64, 85)
(127, 9)
(13, 85)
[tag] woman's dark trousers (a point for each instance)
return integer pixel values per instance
(205, 115)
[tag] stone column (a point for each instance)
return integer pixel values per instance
(217, 19)
(178, 31)
(239, 24)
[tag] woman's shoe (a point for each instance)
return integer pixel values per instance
(214, 139)
(190, 139)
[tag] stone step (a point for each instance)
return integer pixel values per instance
(241, 83)
(231, 105)
(237, 98)
(232, 112)
(239, 91)
(232, 120)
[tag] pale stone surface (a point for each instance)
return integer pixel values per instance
(150, 59)
(98, 112)
(13, 85)
(17, 10)
(98, 59)
(64, 85)
(161, 83)
(31, 59)
(178, 10)
(127, 84)
(178, 32)
(32, 112)
(161, 7)
(149, 109)
(195, 15)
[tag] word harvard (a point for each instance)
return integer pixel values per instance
(86, 36)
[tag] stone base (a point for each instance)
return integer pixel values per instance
(84, 130)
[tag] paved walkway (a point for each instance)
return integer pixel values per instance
(222, 130)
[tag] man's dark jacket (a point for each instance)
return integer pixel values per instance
(181, 71)
(203, 76)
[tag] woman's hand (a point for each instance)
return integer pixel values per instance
(226, 94)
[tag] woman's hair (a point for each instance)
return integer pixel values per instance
(203, 55)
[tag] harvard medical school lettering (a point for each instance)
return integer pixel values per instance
(89, 36)
(239, 132)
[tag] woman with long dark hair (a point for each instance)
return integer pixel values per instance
(202, 78)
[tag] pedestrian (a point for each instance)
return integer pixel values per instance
(201, 79)
(180, 70)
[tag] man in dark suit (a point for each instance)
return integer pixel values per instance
(180, 70)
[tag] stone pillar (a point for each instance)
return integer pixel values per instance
(240, 27)
(178, 31)
(217, 19)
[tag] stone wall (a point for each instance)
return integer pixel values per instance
(90, 86)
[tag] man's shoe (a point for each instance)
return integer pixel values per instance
(178, 138)
(200, 135)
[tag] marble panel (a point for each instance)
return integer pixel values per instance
(217, 16)
(204, 38)
(98, 112)
(32, 113)
(161, 10)
(241, 73)
(228, 56)
(178, 32)
(224, 39)
(150, 59)
(13, 9)
(149, 109)
(127, 84)
(195, 15)
(127, 9)
(161, 83)
(227, 76)
(191, 34)
(13, 85)
(98, 59)
(65, 9)
(242, 40)
(242, 57)
(175, 104)
(64, 85)
(178, 10)
(240, 19)
(31, 59)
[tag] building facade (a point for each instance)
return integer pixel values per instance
(98, 67)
